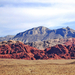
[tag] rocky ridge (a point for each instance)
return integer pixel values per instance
(41, 34)
(19, 50)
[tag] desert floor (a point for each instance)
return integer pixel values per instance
(36, 67)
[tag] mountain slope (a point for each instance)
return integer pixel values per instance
(42, 33)
(6, 38)
(34, 34)
(52, 42)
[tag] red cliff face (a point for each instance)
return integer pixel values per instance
(22, 51)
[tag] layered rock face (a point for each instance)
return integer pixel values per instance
(19, 50)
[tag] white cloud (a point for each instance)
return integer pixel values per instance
(23, 18)
(42, 1)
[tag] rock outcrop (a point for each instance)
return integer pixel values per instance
(52, 42)
(57, 52)
(19, 50)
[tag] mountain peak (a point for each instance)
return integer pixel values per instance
(41, 27)
(68, 28)
(42, 33)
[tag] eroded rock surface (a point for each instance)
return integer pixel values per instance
(19, 50)
(52, 42)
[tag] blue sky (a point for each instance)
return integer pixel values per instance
(20, 15)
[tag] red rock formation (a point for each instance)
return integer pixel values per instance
(71, 41)
(71, 51)
(22, 51)
(57, 52)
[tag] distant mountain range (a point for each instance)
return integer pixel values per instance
(40, 34)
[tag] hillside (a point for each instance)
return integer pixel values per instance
(40, 34)
(18, 50)
(6, 38)
(52, 42)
